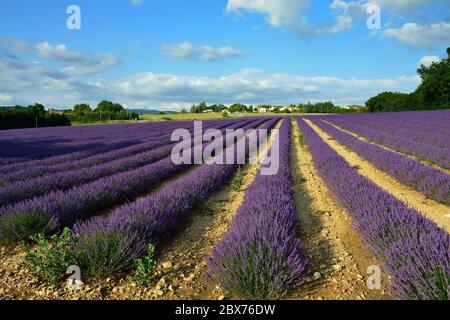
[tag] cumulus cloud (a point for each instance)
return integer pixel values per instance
(187, 51)
(64, 82)
(253, 86)
(76, 62)
(290, 13)
(428, 61)
(278, 12)
(35, 82)
(420, 36)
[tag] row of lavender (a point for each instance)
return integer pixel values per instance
(116, 141)
(57, 209)
(86, 170)
(22, 145)
(411, 142)
(415, 251)
(261, 257)
(48, 142)
(430, 181)
(412, 125)
(124, 235)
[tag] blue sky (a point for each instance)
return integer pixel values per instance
(168, 54)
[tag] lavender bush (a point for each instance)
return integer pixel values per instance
(261, 257)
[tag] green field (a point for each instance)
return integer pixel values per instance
(208, 116)
(187, 117)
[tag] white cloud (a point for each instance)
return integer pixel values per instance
(253, 86)
(421, 36)
(171, 91)
(34, 81)
(186, 50)
(428, 61)
(288, 13)
(76, 62)
(278, 12)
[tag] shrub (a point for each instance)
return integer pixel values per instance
(238, 180)
(24, 227)
(103, 249)
(51, 259)
(144, 268)
(301, 139)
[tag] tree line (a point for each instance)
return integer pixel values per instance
(432, 94)
(320, 107)
(30, 117)
(105, 111)
(36, 116)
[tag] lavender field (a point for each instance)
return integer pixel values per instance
(352, 194)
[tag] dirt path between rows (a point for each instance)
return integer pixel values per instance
(427, 163)
(431, 209)
(338, 259)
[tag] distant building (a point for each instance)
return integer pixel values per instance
(263, 110)
(290, 109)
(208, 111)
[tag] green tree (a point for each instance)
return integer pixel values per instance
(108, 106)
(388, 101)
(238, 107)
(434, 91)
(199, 108)
(37, 109)
(81, 108)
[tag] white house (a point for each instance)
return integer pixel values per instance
(263, 110)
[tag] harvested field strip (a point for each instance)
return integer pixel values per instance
(415, 250)
(434, 210)
(336, 254)
(427, 163)
(431, 182)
